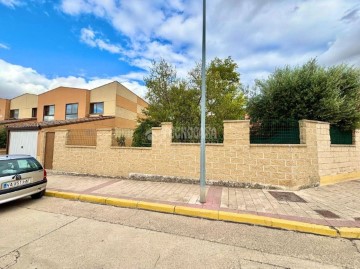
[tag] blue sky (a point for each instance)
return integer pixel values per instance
(87, 43)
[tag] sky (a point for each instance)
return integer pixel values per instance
(87, 43)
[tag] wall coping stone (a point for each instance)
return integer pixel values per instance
(279, 145)
(315, 121)
(78, 146)
(342, 146)
(234, 121)
(197, 144)
(136, 148)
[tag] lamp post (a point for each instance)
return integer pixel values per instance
(203, 111)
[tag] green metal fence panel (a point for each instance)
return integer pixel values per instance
(275, 131)
(340, 137)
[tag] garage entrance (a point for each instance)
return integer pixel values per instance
(23, 142)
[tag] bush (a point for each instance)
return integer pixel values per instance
(3, 137)
(310, 92)
(142, 134)
(121, 140)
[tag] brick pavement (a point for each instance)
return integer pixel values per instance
(342, 199)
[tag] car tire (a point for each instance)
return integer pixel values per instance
(38, 195)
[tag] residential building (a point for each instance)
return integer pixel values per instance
(24, 106)
(4, 109)
(108, 106)
(114, 99)
(63, 103)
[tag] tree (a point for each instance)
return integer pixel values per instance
(170, 99)
(224, 97)
(176, 100)
(310, 92)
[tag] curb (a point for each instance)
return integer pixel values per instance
(343, 232)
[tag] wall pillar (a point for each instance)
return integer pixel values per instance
(162, 136)
(237, 132)
(103, 139)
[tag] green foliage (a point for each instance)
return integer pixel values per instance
(3, 138)
(120, 140)
(178, 101)
(142, 134)
(310, 92)
(170, 99)
(224, 97)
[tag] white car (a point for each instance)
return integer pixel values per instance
(21, 176)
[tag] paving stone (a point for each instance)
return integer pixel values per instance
(340, 199)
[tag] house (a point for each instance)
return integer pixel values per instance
(23, 106)
(114, 99)
(4, 109)
(109, 106)
(20, 109)
(63, 103)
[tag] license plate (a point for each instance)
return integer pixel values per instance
(17, 183)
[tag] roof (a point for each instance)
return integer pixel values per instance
(117, 82)
(23, 95)
(48, 124)
(12, 121)
(63, 87)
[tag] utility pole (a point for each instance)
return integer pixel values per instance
(203, 111)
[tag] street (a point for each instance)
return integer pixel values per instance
(57, 233)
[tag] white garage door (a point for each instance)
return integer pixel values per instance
(23, 142)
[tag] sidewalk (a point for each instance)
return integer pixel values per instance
(334, 206)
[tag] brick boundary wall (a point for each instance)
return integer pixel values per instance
(310, 163)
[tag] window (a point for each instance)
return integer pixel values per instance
(49, 112)
(14, 113)
(71, 111)
(18, 166)
(97, 108)
(34, 112)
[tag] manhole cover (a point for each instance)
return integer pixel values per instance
(287, 196)
(327, 214)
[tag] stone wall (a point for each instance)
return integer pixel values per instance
(337, 162)
(235, 161)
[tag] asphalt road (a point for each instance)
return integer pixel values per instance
(56, 233)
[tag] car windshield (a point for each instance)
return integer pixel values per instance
(18, 166)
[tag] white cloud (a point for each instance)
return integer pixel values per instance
(10, 3)
(16, 80)
(344, 49)
(259, 34)
(3, 46)
(88, 36)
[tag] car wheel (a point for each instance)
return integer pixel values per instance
(38, 195)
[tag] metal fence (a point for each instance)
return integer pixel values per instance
(275, 131)
(122, 137)
(81, 137)
(339, 136)
(186, 134)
